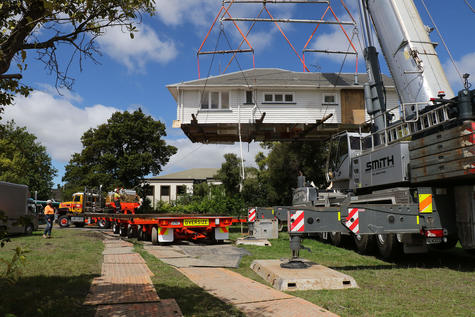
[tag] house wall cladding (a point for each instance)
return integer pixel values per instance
(307, 107)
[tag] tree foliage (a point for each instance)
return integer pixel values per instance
(23, 160)
(120, 152)
(229, 173)
(72, 23)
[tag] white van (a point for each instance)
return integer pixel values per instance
(13, 204)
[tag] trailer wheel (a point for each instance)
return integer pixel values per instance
(140, 234)
(122, 231)
(115, 228)
(365, 244)
(388, 246)
(335, 238)
(103, 224)
(63, 221)
(155, 235)
(29, 228)
(132, 232)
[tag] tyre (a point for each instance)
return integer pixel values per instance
(115, 228)
(140, 234)
(155, 235)
(365, 244)
(64, 221)
(122, 231)
(388, 246)
(335, 238)
(29, 228)
(132, 232)
(103, 224)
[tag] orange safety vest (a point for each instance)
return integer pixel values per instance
(49, 210)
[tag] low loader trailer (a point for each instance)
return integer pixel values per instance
(167, 228)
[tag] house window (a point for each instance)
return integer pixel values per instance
(329, 98)
(164, 190)
(149, 190)
(180, 190)
(249, 96)
(278, 97)
(215, 100)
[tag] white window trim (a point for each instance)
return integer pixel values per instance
(278, 93)
(335, 95)
(209, 92)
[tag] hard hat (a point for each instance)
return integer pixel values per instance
(49, 201)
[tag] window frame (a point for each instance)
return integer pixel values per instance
(210, 99)
(283, 94)
(332, 94)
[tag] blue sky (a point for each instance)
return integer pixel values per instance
(134, 73)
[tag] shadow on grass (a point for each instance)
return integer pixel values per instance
(46, 296)
(194, 301)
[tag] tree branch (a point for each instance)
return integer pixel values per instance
(11, 76)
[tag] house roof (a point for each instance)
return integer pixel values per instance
(191, 174)
(275, 77)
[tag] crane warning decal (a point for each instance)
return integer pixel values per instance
(251, 215)
(297, 221)
(425, 203)
(352, 221)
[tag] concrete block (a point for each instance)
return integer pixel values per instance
(315, 277)
(257, 242)
(265, 229)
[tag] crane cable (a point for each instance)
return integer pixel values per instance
(443, 41)
(469, 5)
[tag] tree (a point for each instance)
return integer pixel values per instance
(23, 160)
(73, 23)
(120, 152)
(229, 174)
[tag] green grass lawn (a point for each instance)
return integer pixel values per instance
(434, 284)
(56, 276)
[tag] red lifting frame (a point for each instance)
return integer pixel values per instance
(212, 26)
(342, 28)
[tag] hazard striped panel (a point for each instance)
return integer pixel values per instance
(425, 203)
(251, 215)
(297, 221)
(353, 221)
(165, 234)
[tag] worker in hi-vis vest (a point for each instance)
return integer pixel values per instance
(116, 197)
(49, 217)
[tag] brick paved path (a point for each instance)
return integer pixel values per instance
(125, 288)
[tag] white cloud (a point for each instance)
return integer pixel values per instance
(56, 122)
(135, 53)
(174, 13)
(60, 92)
(466, 64)
(196, 155)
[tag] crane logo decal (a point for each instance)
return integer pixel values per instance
(297, 221)
(251, 215)
(353, 221)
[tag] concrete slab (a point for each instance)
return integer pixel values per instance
(205, 251)
(315, 277)
(164, 252)
(231, 261)
(232, 287)
(256, 242)
(119, 250)
(293, 307)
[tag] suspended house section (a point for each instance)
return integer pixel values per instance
(272, 105)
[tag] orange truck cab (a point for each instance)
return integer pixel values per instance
(77, 204)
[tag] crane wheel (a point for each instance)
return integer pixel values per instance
(335, 238)
(365, 244)
(388, 246)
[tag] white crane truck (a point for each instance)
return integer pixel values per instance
(408, 184)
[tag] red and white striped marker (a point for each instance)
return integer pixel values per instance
(297, 223)
(352, 221)
(251, 215)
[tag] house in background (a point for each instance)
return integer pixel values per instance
(169, 187)
(270, 104)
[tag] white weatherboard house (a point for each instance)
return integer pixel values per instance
(271, 104)
(169, 187)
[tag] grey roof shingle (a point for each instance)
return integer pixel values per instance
(192, 174)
